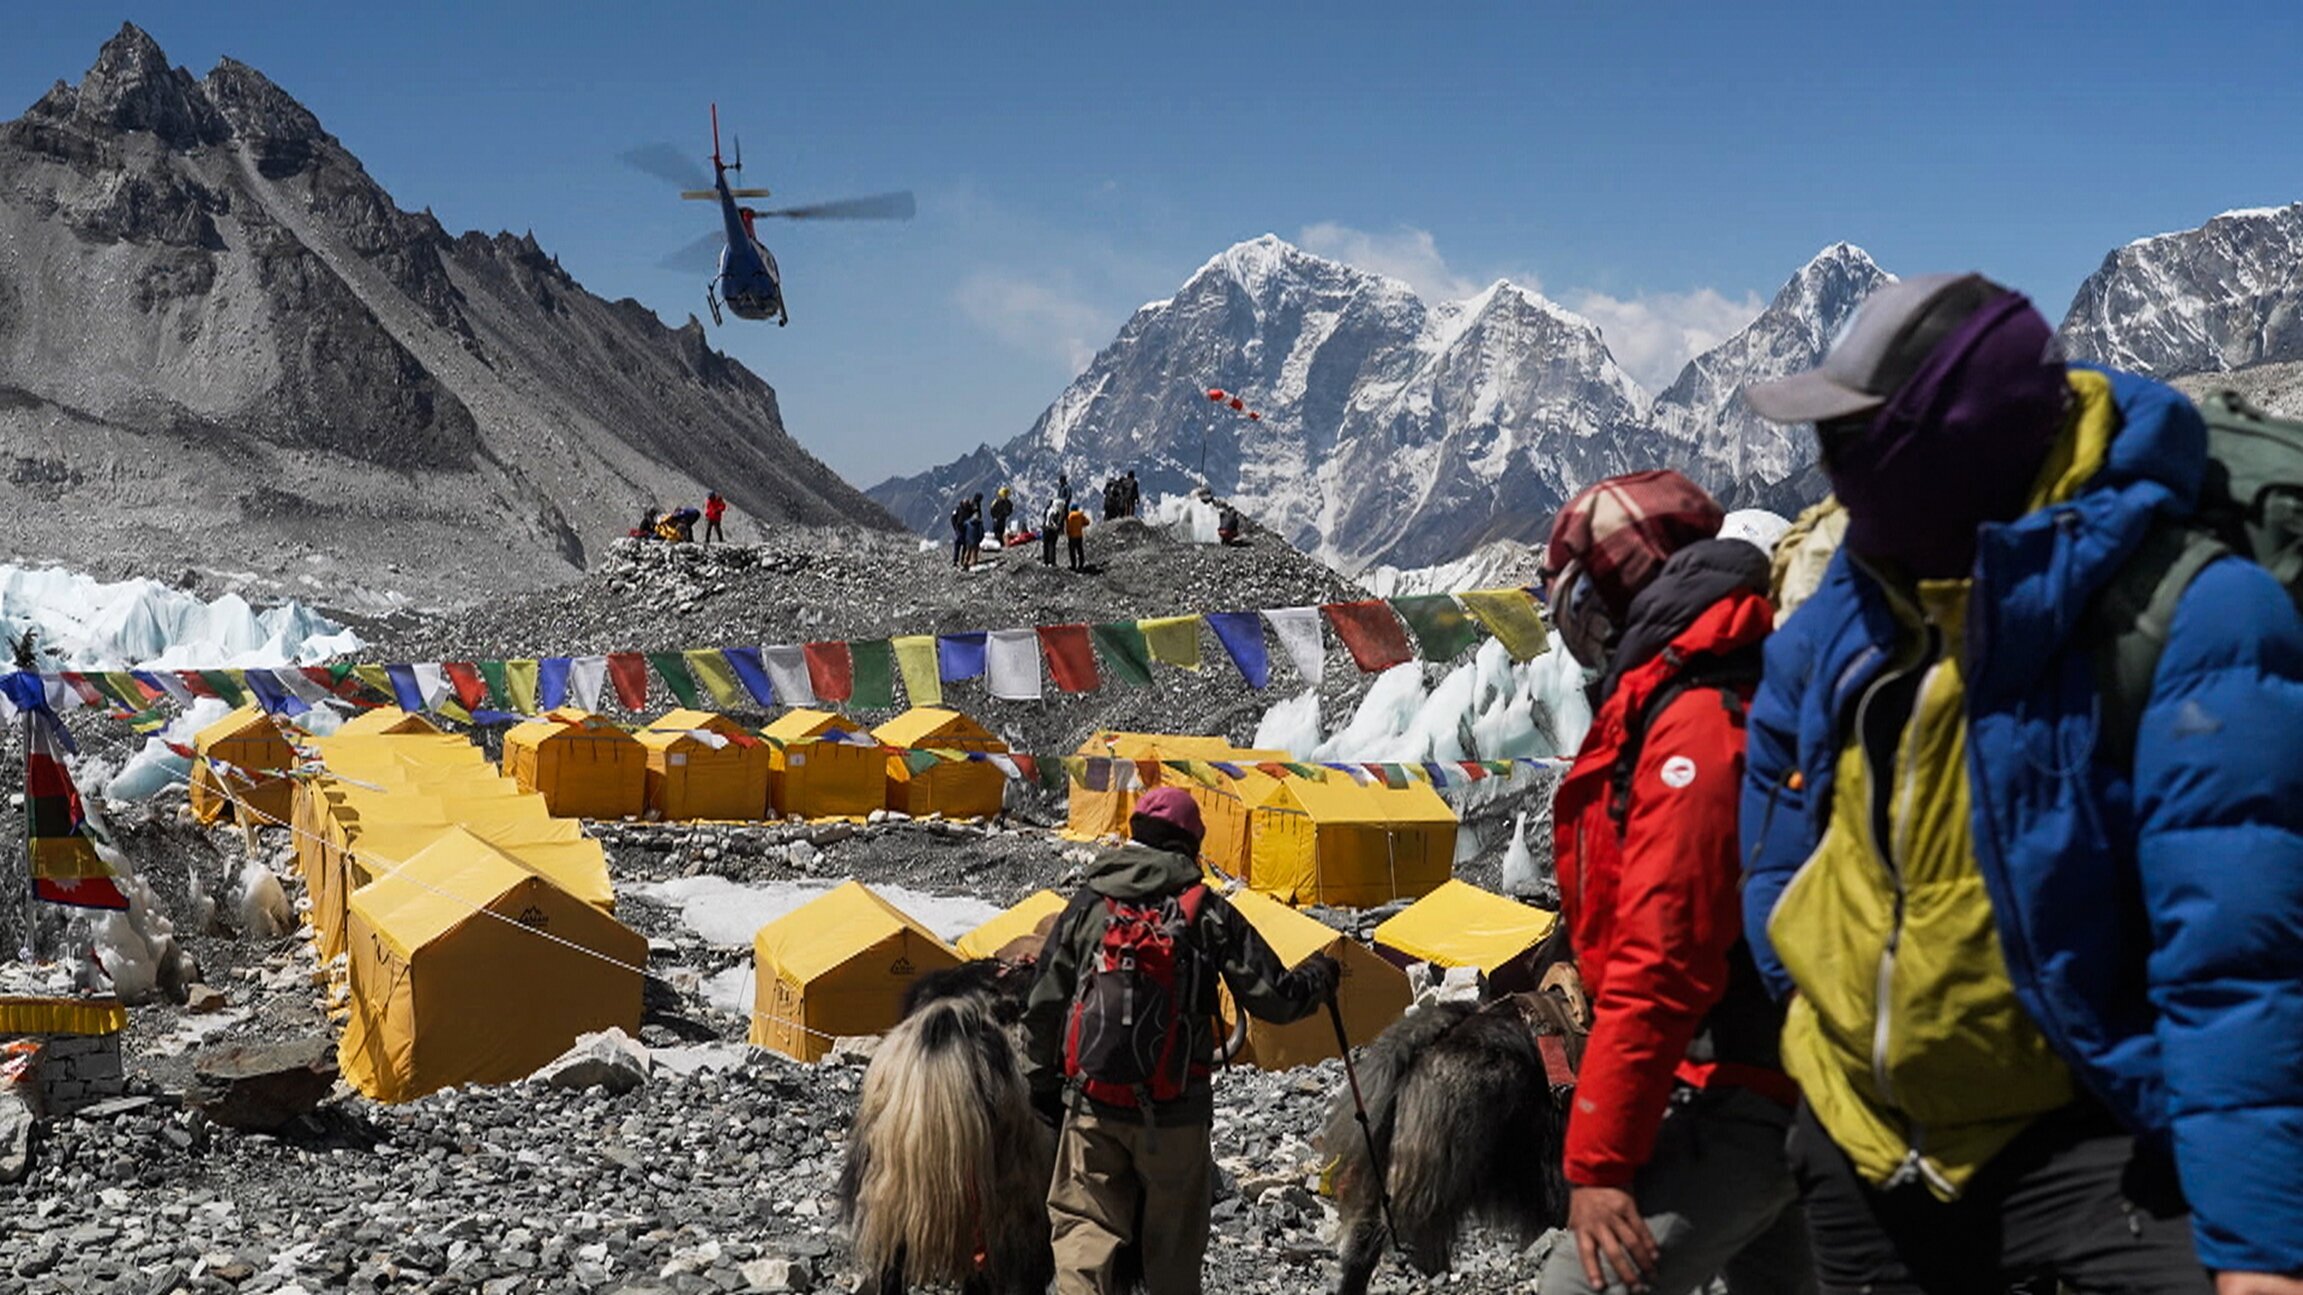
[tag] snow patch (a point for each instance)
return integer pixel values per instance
(730, 913)
(86, 624)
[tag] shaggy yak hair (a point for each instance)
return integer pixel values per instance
(947, 1162)
(1463, 1113)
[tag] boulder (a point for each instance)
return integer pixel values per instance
(261, 1087)
(608, 1058)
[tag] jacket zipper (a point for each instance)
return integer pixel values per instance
(1883, 983)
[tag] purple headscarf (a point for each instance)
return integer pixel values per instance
(1958, 445)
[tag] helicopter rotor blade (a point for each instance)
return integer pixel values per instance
(669, 164)
(880, 206)
(699, 257)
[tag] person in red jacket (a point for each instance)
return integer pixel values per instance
(1674, 1157)
(714, 509)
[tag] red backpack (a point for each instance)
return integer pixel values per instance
(1131, 1037)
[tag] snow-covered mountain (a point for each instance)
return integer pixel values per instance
(224, 347)
(1733, 452)
(1393, 430)
(2223, 296)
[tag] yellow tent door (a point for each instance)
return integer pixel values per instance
(823, 779)
(241, 761)
(1371, 994)
(582, 765)
(704, 766)
(1460, 925)
(837, 966)
(987, 940)
(467, 968)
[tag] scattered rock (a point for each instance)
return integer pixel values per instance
(201, 999)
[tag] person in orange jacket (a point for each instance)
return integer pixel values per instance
(1075, 536)
(1674, 1156)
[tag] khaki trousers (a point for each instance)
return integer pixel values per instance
(1119, 1181)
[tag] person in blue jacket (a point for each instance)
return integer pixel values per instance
(2049, 994)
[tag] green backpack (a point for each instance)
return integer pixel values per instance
(2250, 504)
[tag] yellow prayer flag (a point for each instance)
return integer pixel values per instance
(1173, 640)
(916, 662)
(712, 669)
(520, 681)
(1510, 615)
(376, 678)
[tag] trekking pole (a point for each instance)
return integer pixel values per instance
(1359, 1107)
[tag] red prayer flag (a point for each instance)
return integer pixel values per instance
(471, 689)
(1071, 655)
(197, 685)
(831, 670)
(628, 671)
(85, 690)
(1370, 632)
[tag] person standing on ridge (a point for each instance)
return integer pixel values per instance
(1002, 509)
(2045, 930)
(714, 509)
(1064, 489)
(1132, 1153)
(1051, 529)
(1075, 531)
(975, 541)
(1674, 1156)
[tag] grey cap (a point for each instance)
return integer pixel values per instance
(1882, 344)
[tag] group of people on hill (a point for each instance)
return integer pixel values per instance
(1924, 955)
(678, 525)
(1123, 497)
(1063, 519)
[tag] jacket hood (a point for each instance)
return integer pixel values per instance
(1690, 583)
(1134, 871)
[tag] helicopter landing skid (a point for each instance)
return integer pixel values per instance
(713, 299)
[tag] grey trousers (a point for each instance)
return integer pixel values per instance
(1719, 1196)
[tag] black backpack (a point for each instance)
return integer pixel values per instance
(2251, 504)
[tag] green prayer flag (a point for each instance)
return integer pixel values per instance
(920, 761)
(226, 684)
(1441, 629)
(499, 686)
(672, 668)
(1121, 647)
(872, 685)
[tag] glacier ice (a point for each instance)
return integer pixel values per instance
(86, 623)
(1487, 708)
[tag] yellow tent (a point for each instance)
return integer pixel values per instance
(467, 968)
(385, 721)
(816, 779)
(1014, 923)
(691, 776)
(1372, 993)
(837, 965)
(250, 742)
(1333, 841)
(1224, 802)
(1460, 925)
(953, 788)
(584, 766)
(349, 854)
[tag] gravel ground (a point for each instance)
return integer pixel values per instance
(710, 1181)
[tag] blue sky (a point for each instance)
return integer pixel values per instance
(1662, 167)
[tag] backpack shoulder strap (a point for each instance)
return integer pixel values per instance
(1727, 673)
(2131, 618)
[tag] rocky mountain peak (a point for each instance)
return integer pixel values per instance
(259, 110)
(2222, 296)
(133, 88)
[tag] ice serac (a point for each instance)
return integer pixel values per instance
(2223, 296)
(1391, 430)
(1714, 437)
(223, 346)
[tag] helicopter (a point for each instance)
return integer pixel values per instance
(746, 280)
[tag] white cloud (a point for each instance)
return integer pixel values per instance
(1654, 335)
(1408, 254)
(1038, 318)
